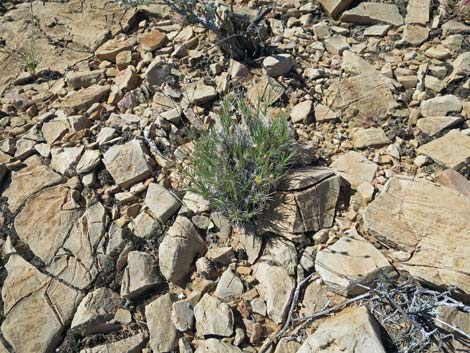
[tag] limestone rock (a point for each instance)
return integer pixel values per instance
(454, 180)
(438, 52)
(127, 79)
(88, 161)
(371, 137)
(157, 72)
(112, 47)
(354, 330)
(163, 334)
(267, 90)
(335, 7)
(350, 260)
(323, 113)
(127, 163)
(162, 204)
(305, 201)
(182, 315)
(36, 307)
(418, 11)
(47, 219)
(199, 93)
(213, 345)
(83, 79)
(282, 253)
(275, 287)
(65, 159)
(213, 317)
(371, 13)
(29, 180)
(451, 150)
(434, 125)
(229, 286)
(96, 312)
(131, 344)
(428, 221)
(140, 275)
(355, 168)
(415, 34)
(441, 106)
(84, 98)
(278, 65)
(178, 250)
(336, 44)
(301, 111)
(287, 346)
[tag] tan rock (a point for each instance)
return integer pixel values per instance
(355, 168)
(415, 34)
(84, 98)
(335, 7)
(370, 13)
(428, 221)
(301, 111)
(454, 180)
(127, 345)
(213, 317)
(371, 137)
(418, 11)
(441, 106)
(153, 40)
(112, 47)
(434, 125)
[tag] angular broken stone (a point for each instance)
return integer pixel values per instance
(178, 250)
(46, 220)
(37, 308)
(454, 180)
(451, 150)
(415, 34)
(162, 204)
(287, 346)
(335, 7)
(29, 180)
(418, 11)
(199, 93)
(336, 44)
(213, 317)
(323, 113)
(441, 106)
(112, 47)
(55, 129)
(364, 95)
(127, 79)
(355, 168)
(301, 111)
(65, 159)
(163, 334)
(275, 287)
(153, 40)
(127, 345)
(371, 137)
(157, 72)
(305, 201)
(83, 79)
(265, 90)
(349, 261)
(213, 345)
(127, 163)
(182, 315)
(96, 312)
(371, 13)
(140, 275)
(84, 98)
(88, 161)
(229, 286)
(353, 330)
(278, 65)
(431, 223)
(434, 125)
(281, 252)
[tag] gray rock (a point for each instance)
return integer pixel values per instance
(441, 106)
(451, 150)
(213, 345)
(418, 11)
(157, 72)
(335, 7)
(140, 275)
(199, 93)
(132, 344)
(351, 260)
(84, 98)
(89, 161)
(145, 225)
(371, 137)
(287, 346)
(278, 65)
(282, 253)
(229, 286)
(178, 250)
(127, 163)
(162, 204)
(355, 168)
(434, 125)
(213, 317)
(336, 44)
(163, 334)
(96, 312)
(354, 330)
(83, 79)
(415, 34)
(371, 13)
(275, 287)
(65, 159)
(182, 315)
(301, 111)
(430, 222)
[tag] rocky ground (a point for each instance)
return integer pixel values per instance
(103, 251)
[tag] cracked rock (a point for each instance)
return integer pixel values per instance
(213, 317)
(140, 275)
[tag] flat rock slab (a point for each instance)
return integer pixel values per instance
(354, 330)
(84, 98)
(213, 317)
(371, 137)
(451, 150)
(306, 201)
(162, 204)
(140, 275)
(441, 106)
(351, 260)
(418, 11)
(362, 96)
(429, 222)
(37, 308)
(355, 168)
(213, 345)
(127, 163)
(131, 344)
(434, 125)
(371, 13)
(335, 7)
(29, 180)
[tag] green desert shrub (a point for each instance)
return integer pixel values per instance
(237, 164)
